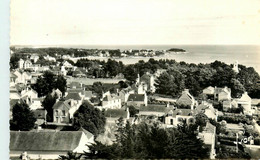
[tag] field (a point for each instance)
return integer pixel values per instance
(90, 81)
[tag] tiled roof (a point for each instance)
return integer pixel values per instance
(58, 104)
(183, 112)
(73, 95)
(75, 84)
(136, 97)
(116, 113)
(44, 141)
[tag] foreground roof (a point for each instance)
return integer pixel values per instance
(136, 97)
(44, 141)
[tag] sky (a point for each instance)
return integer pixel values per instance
(131, 22)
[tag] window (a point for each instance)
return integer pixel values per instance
(63, 112)
(171, 121)
(56, 112)
(57, 119)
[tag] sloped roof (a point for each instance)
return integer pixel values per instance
(87, 133)
(136, 97)
(183, 112)
(75, 84)
(58, 104)
(44, 141)
(218, 90)
(78, 90)
(73, 95)
(116, 113)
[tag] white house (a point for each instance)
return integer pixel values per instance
(111, 102)
(137, 100)
(209, 90)
(187, 99)
(175, 117)
(208, 110)
(208, 136)
(146, 81)
(36, 103)
(222, 93)
(245, 102)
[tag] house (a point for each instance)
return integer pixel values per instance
(222, 93)
(27, 64)
(63, 111)
(13, 78)
(146, 81)
(111, 102)
(22, 77)
(186, 99)
(229, 104)
(208, 136)
(48, 145)
(14, 94)
(66, 64)
(112, 115)
(209, 91)
(123, 95)
(34, 58)
(36, 103)
(177, 116)
(137, 100)
(63, 71)
(49, 58)
(56, 92)
(29, 94)
(208, 110)
(245, 102)
(76, 85)
(20, 63)
(75, 98)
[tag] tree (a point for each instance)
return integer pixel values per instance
(90, 118)
(47, 82)
(48, 103)
(170, 83)
(61, 84)
(133, 111)
(145, 141)
(23, 117)
(237, 89)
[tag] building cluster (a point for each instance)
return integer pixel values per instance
(49, 144)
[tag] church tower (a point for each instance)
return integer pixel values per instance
(235, 67)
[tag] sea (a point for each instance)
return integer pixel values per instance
(248, 55)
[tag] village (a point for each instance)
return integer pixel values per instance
(225, 124)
